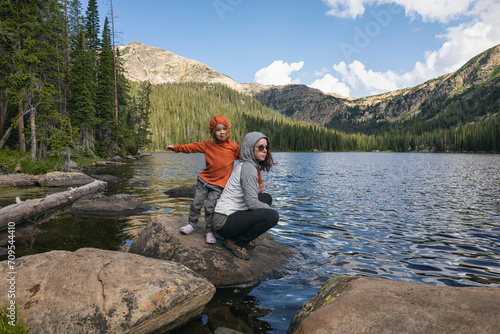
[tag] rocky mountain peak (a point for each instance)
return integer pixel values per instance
(147, 63)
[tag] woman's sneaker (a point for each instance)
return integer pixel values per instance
(240, 252)
(251, 245)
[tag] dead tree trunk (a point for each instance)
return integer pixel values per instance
(34, 207)
(20, 128)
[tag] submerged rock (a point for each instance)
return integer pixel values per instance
(184, 191)
(15, 180)
(99, 291)
(356, 304)
(121, 204)
(105, 177)
(64, 179)
(162, 239)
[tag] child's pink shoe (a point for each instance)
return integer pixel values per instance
(187, 229)
(210, 238)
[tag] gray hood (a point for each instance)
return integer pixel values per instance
(247, 146)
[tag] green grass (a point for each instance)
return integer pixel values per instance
(9, 159)
(7, 326)
(495, 73)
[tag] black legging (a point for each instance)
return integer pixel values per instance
(245, 226)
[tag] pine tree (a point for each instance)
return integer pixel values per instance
(82, 85)
(142, 119)
(52, 71)
(107, 129)
(34, 51)
(7, 46)
(92, 32)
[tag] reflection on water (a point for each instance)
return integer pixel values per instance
(430, 218)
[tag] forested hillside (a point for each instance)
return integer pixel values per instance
(62, 87)
(180, 113)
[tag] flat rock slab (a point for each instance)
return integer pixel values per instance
(15, 180)
(99, 291)
(105, 177)
(120, 204)
(355, 304)
(162, 239)
(64, 179)
(184, 191)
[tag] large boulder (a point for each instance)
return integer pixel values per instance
(356, 304)
(15, 180)
(162, 239)
(99, 291)
(120, 204)
(64, 179)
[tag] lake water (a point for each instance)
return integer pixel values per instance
(429, 218)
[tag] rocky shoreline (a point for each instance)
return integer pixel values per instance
(99, 291)
(166, 279)
(359, 304)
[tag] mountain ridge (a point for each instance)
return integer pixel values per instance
(304, 103)
(400, 105)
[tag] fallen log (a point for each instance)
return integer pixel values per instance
(34, 207)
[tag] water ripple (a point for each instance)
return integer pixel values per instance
(428, 218)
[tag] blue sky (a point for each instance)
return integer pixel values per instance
(353, 48)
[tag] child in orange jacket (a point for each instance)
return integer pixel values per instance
(220, 154)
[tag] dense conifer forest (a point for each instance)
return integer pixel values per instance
(181, 112)
(63, 91)
(465, 122)
(62, 87)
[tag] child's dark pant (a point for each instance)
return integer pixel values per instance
(211, 193)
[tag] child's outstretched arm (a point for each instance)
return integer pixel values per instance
(189, 148)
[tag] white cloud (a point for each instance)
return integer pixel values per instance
(330, 84)
(346, 8)
(432, 10)
(278, 73)
(460, 43)
(357, 76)
(322, 72)
(429, 10)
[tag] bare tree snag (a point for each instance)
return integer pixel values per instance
(34, 207)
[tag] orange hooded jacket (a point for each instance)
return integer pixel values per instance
(219, 156)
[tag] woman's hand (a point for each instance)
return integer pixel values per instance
(261, 188)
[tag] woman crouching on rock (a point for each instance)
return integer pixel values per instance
(243, 212)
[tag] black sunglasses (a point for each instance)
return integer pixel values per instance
(261, 147)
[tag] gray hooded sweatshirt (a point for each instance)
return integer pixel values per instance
(241, 191)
